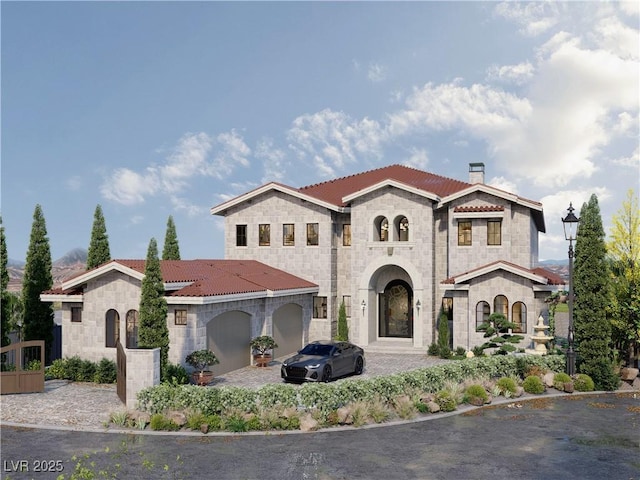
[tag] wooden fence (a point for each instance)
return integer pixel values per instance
(22, 367)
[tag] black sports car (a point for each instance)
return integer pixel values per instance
(323, 361)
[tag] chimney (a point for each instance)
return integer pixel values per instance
(476, 173)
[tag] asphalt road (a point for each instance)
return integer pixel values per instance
(571, 437)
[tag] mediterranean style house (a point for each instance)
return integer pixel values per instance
(400, 247)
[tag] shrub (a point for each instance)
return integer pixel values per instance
(196, 420)
(433, 350)
(379, 410)
(277, 395)
(446, 401)
(33, 365)
(559, 379)
(533, 384)
(507, 384)
(405, 408)
(583, 383)
(478, 351)
(160, 422)
(460, 352)
(106, 371)
(476, 395)
(176, 374)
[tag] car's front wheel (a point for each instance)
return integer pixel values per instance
(326, 374)
(359, 366)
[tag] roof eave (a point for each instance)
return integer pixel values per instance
(390, 183)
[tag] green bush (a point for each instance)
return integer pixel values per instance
(33, 366)
(160, 422)
(475, 395)
(533, 384)
(583, 383)
(446, 401)
(433, 350)
(106, 371)
(507, 384)
(460, 352)
(176, 374)
(559, 379)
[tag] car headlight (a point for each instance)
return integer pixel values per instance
(315, 365)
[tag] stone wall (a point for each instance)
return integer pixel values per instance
(143, 371)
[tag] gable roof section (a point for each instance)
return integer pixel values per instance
(202, 278)
(538, 275)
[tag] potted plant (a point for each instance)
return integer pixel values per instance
(199, 360)
(262, 347)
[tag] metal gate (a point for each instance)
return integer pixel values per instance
(121, 377)
(22, 367)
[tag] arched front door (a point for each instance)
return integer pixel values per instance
(396, 313)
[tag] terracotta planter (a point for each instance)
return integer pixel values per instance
(202, 378)
(261, 360)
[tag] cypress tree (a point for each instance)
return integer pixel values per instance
(99, 245)
(153, 331)
(4, 284)
(38, 316)
(591, 290)
(171, 250)
(343, 327)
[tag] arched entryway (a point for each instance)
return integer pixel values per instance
(395, 318)
(287, 329)
(228, 337)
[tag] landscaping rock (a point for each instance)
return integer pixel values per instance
(629, 374)
(344, 416)
(519, 392)
(137, 416)
(308, 423)
(433, 407)
(178, 418)
(429, 397)
(568, 387)
(548, 379)
(489, 399)
(204, 428)
(289, 412)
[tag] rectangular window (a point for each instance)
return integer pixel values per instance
(346, 299)
(241, 235)
(319, 307)
(181, 317)
(264, 234)
(494, 232)
(346, 235)
(76, 314)
(288, 235)
(464, 233)
(312, 233)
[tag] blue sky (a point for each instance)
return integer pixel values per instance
(153, 109)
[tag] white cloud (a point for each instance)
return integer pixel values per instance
(187, 160)
(632, 160)
(74, 183)
(376, 72)
(503, 184)
(333, 140)
(517, 74)
(534, 18)
(614, 36)
(418, 159)
(273, 160)
(555, 205)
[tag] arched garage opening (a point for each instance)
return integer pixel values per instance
(228, 337)
(287, 329)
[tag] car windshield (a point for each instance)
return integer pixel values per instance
(316, 349)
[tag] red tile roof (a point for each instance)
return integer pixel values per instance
(205, 278)
(333, 191)
(480, 208)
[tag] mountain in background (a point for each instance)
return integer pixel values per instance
(69, 265)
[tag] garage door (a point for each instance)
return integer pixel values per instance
(228, 336)
(287, 329)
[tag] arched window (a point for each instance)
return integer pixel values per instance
(381, 229)
(519, 317)
(401, 225)
(132, 329)
(482, 314)
(501, 305)
(112, 328)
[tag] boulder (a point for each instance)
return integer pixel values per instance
(628, 374)
(179, 418)
(344, 416)
(548, 379)
(519, 392)
(433, 407)
(137, 416)
(568, 387)
(308, 423)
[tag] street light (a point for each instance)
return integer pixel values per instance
(570, 225)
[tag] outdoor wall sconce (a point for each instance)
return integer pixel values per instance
(418, 305)
(363, 305)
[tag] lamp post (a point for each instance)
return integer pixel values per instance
(570, 225)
